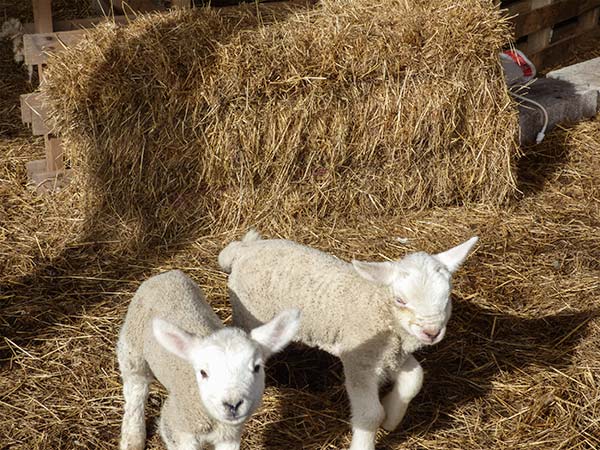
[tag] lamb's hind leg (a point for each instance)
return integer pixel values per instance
(242, 318)
(136, 380)
(407, 385)
(367, 413)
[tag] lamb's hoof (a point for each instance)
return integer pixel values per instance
(368, 446)
(390, 425)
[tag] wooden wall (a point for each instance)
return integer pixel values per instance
(548, 30)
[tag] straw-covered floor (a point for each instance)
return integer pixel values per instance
(519, 368)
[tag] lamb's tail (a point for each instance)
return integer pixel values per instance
(230, 253)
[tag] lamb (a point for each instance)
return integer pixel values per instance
(372, 315)
(214, 375)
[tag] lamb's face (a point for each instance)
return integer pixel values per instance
(420, 285)
(228, 364)
(230, 375)
(421, 295)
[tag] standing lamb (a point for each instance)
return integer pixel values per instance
(214, 375)
(371, 315)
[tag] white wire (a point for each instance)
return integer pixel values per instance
(542, 134)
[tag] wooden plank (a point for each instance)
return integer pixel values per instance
(42, 15)
(34, 112)
(54, 154)
(590, 19)
(127, 7)
(515, 8)
(540, 39)
(560, 51)
(43, 181)
(41, 72)
(49, 174)
(34, 101)
(37, 46)
(25, 109)
(546, 17)
(565, 30)
(181, 3)
(39, 126)
(77, 24)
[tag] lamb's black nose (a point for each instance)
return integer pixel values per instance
(233, 408)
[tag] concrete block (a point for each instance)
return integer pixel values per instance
(585, 75)
(563, 101)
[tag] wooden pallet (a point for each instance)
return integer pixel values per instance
(44, 37)
(547, 31)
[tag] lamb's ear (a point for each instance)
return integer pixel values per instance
(276, 334)
(379, 272)
(454, 257)
(173, 338)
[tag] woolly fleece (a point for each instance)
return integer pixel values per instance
(174, 297)
(342, 313)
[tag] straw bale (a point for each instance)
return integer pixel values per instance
(228, 116)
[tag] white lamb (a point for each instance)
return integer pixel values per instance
(214, 375)
(371, 315)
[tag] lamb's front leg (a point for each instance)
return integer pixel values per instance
(407, 385)
(367, 413)
(173, 437)
(133, 428)
(136, 379)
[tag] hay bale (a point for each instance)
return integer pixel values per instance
(225, 116)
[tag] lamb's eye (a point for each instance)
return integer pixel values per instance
(400, 301)
(203, 374)
(256, 368)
